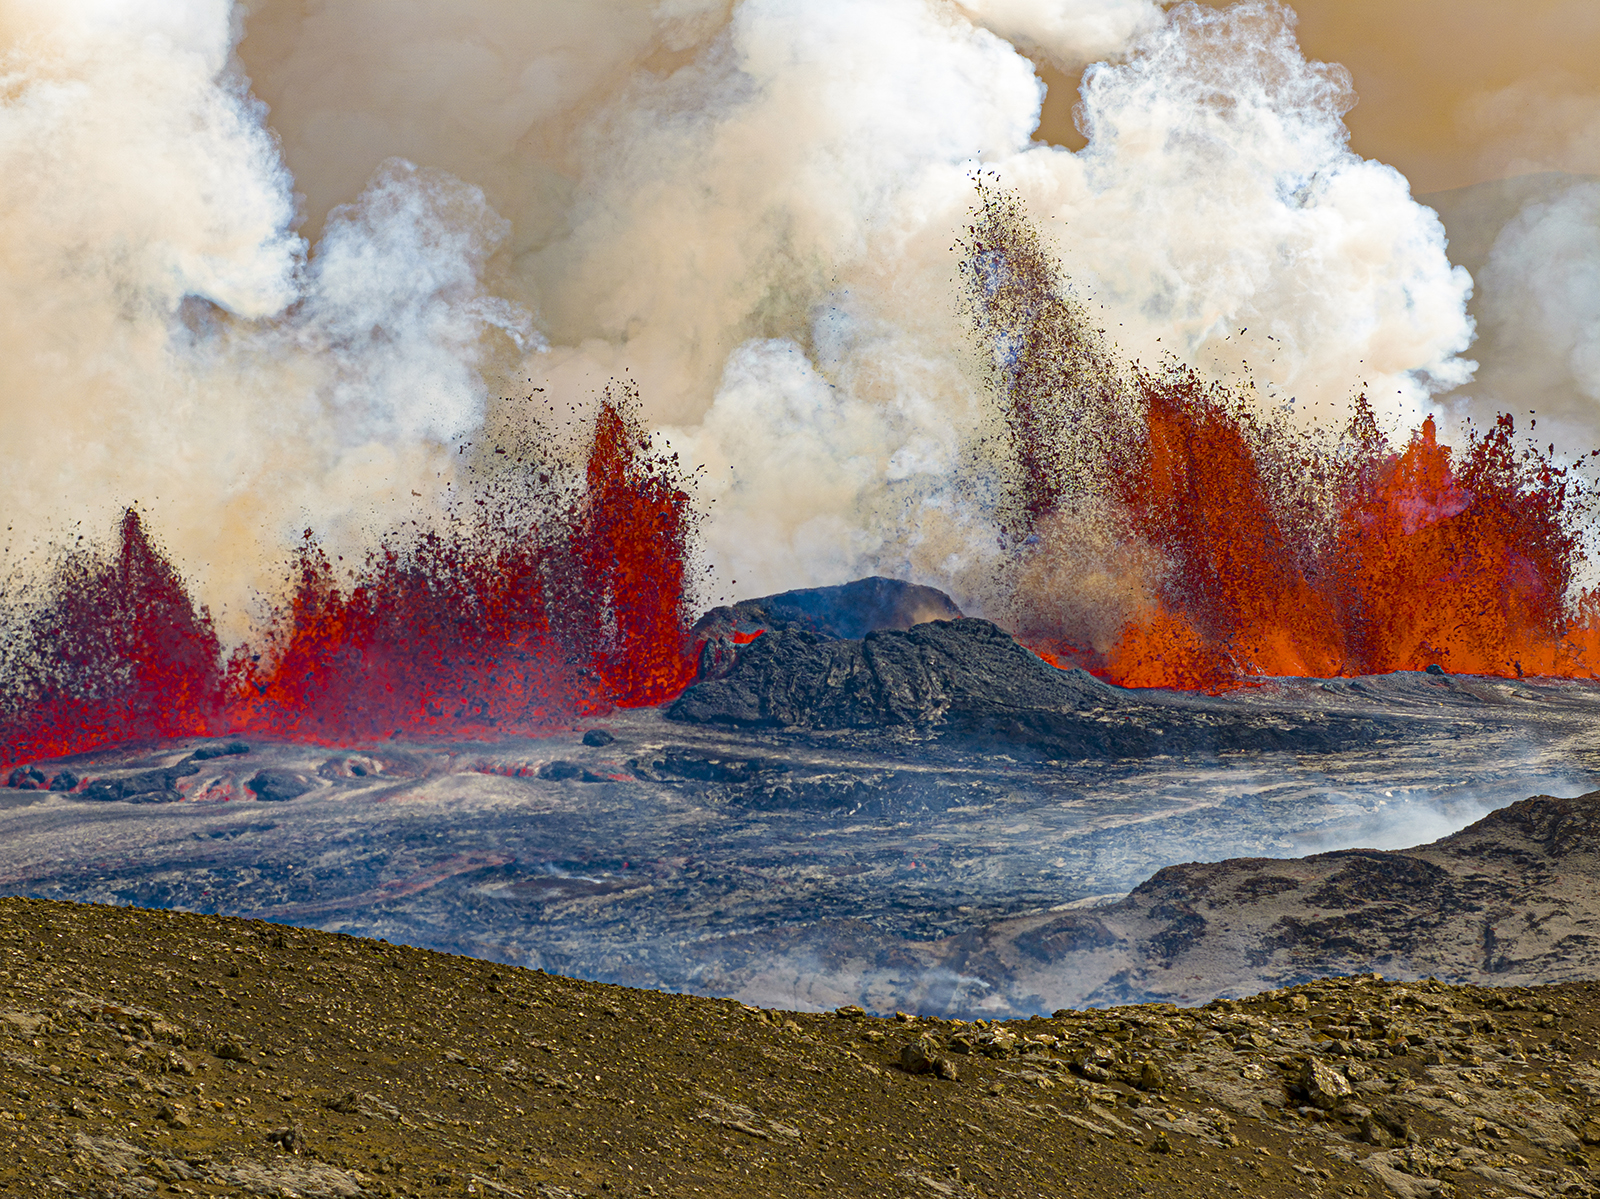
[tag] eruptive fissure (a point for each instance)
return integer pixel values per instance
(1268, 549)
(557, 590)
(559, 594)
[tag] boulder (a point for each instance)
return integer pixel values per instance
(1324, 1087)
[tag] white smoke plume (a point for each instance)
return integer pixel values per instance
(1537, 264)
(266, 264)
(166, 340)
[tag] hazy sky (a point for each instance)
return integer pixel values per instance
(1451, 91)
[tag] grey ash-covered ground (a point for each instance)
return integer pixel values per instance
(147, 1053)
(954, 854)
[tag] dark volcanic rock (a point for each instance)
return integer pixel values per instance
(223, 750)
(146, 786)
(846, 612)
(31, 778)
(279, 785)
(966, 670)
(154, 786)
(968, 678)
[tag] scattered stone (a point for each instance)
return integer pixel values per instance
(231, 1050)
(595, 738)
(358, 1103)
(1373, 1131)
(915, 1059)
(560, 770)
(291, 1138)
(997, 1041)
(219, 750)
(1324, 1086)
(173, 1115)
(277, 786)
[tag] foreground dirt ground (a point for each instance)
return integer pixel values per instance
(147, 1053)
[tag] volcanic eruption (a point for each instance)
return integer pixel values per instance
(377, 435)
(555, 592)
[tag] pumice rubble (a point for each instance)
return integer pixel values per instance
(154, 1052)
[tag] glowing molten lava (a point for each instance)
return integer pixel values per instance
(498, 627)
(1465, 564)
(1282, 553)
(115, 650)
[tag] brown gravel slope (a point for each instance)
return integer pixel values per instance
(148, 1053)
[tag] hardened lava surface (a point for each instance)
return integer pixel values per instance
(893, 866)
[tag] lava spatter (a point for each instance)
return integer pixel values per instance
(561, 596)
(1281, 551)
(550, 605)
(112, 647)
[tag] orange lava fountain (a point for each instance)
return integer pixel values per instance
(1284, 553)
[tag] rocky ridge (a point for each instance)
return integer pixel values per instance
(151, 1052)
(1509, 899)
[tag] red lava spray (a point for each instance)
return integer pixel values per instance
(554, 600)
(1285, 552)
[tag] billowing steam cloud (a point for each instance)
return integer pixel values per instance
(1538, 310)
(750, 208)
(166, 340)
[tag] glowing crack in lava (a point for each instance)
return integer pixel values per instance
(1268, 549)
(556, 599)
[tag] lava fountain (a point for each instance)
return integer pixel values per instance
(556, 592)
(559, 594)
(1270, 549)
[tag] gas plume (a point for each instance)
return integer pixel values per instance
(274, 268)
(750, 209)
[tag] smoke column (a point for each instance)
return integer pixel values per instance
(273, 267)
